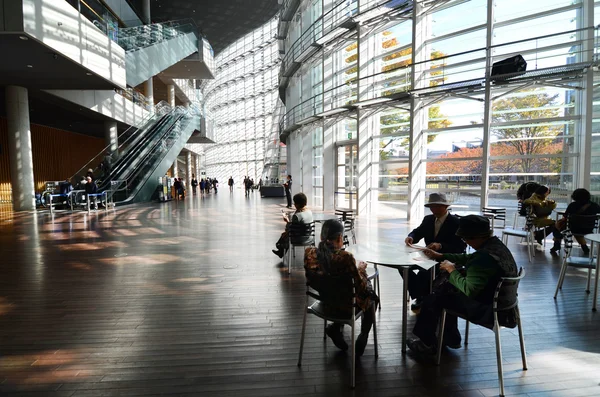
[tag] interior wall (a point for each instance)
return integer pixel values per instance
(57, 155)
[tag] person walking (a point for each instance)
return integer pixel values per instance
(230, 183)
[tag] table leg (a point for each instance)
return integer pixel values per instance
(405, 271)
(597, 274)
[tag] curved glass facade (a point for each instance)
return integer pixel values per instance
(242, 100)
(390, 100)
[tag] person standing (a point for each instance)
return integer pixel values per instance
(288, 191)
(194, 184)
(230, 183)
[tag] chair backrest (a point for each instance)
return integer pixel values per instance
(496, 213)
(579, 225)
(302, 229)
(336, 290)
(345, 214)
(529, 218)
(506, 296)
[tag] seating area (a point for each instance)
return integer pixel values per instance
(152, 300)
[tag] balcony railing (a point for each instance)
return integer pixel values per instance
(555, 56)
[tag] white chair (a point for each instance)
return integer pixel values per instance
(525, 233)
(505, 300)
(583, 222)
(341, 291)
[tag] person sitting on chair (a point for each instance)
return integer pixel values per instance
(329, 259)
(542, 207)
(302, 215)
(439, 232)
(470, 291)
(581, 205)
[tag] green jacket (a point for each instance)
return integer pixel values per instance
(483, 270)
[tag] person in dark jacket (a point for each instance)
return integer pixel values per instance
(91, 188)
(581, 205)
(470, 292)
(194, 184)
(439, 232)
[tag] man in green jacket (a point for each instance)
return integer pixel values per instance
(470, 290)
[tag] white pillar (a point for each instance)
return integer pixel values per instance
(583, 176)
(171, 94)
(487, 113)
(111, 136)
(149, 93)
(365, 126)
(419, 117)
(188, 174)
(175, 170)
(19, 148)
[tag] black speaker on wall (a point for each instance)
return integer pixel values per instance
(514, 66)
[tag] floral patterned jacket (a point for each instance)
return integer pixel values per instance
(342, 262)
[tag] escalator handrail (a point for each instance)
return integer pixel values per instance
(158, 108)
(140, 146)
(135, 172)
(144, 180)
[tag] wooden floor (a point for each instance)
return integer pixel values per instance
(186, 298)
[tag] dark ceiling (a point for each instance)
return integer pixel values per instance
(221, 22)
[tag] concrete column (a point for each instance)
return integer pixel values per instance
(149, 93)
(174, 170)
(146, 12)
(19, 148)
(171, 94)
(111, 135)
(188, 174)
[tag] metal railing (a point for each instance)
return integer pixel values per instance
(138, 37)
(554, 54)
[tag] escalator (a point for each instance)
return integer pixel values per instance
(144, 156)
(151, 49)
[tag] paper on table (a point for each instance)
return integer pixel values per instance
(417, 247)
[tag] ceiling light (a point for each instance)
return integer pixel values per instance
(89, 74)
(29, 66)
(25, 38)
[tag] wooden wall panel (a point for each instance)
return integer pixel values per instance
(57, 155)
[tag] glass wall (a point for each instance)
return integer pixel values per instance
(242, 98)
(449, 135)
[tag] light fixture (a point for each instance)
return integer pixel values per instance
(29, 66)
(89, 74)
(24, 38)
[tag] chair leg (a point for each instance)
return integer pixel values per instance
(466, 332)
(375, 331)
(324, 329)
(499, 354)
(353, 355)
(302, 339)
(290, 251)
(521, 339)
(589, 281)
(440, 337)
(561, 276)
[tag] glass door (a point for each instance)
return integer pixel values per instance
(346, 188)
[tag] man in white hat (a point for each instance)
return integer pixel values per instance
(439, 232)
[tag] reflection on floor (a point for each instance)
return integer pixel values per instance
(186, 298)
